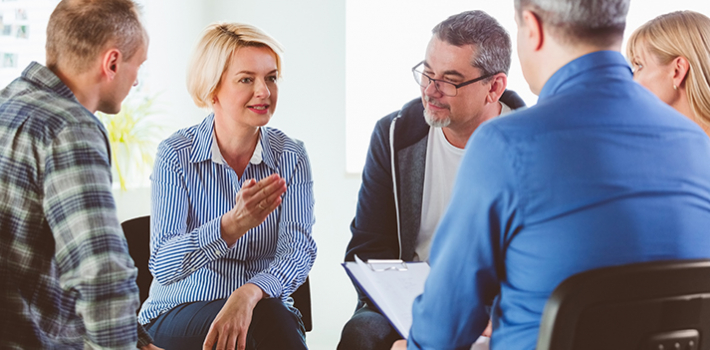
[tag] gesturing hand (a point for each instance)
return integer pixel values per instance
(254, 202)
(230, 327)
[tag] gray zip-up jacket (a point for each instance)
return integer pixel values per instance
(389, 206)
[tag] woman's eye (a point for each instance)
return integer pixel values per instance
(272, 79)
(245, 80)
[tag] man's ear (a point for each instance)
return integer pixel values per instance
(533, 29)
(497, 86)
(109, 63)
(680, 70)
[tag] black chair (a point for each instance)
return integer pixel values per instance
(662, 305)
(137, 233)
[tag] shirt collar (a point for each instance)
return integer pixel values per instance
(584, 68)
(41, 75)
(205, 146)
(256, 157)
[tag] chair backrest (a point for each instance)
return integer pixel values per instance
(137, 233)
(302, 301)
(663, 305)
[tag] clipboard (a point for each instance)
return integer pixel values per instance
(392, 285)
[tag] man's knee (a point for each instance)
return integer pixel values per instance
(367, 329)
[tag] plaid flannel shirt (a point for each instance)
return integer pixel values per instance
(66, 279)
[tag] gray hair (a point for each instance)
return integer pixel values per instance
(597, 22)
(477, 28)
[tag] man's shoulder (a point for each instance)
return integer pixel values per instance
(41, 110)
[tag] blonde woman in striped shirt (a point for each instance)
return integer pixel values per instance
(232, 208)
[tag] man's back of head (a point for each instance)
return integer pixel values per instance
(551, 33)
(78, 30)
(598, 23)
(96, 48)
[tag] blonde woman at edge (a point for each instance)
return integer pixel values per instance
(670, 56)
(232, 208)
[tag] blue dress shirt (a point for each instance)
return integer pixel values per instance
(600, 172)
(192, 187)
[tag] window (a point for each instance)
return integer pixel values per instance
(23, 27)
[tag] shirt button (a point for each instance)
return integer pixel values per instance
(217, 252)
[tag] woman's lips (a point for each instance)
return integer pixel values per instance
(259, 109)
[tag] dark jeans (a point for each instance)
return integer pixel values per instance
(273, 326)
(368, 330)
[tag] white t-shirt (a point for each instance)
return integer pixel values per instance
(442, 165)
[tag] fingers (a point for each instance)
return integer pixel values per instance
(265, 187)
(242, 341)
(264, 193)
(272, 201)
(263, 183)
(268, 207)
(232, 341)
(222, 341)
(210, 339)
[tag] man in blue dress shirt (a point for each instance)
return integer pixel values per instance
(600, 172)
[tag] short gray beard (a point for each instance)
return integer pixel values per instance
(435, 122)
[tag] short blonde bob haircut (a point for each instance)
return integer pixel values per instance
(680, 34)
(213, 54)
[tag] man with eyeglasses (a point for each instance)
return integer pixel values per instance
(463, 83)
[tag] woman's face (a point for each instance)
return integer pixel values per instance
(653, 75)
(248, 90)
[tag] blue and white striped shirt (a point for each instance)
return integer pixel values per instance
(192, 187)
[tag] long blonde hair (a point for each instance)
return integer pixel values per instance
(212, 56)
(681, 34)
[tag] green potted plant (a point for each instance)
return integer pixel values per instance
(133, 137)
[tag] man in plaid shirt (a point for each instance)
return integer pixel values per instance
(66, 279)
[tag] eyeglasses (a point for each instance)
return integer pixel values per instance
(443, 86)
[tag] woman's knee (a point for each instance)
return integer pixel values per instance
(274, 313)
